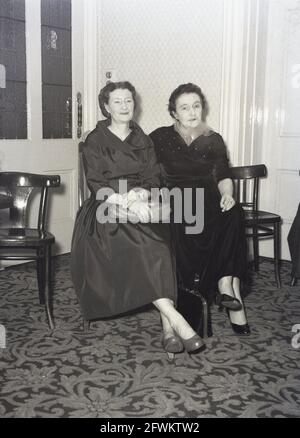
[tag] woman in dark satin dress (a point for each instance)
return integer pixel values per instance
(118, 265)
(194, 156)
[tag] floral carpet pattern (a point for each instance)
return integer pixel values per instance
(118, 368)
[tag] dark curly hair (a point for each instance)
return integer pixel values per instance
(103, 97)
(182, 89)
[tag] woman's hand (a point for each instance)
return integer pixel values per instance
(116, 211)
(139, 193)
(116, 199)
(141, 210)
(227, 202)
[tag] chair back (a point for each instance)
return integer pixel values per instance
(82, 185)
(20, 186)
(246, 179)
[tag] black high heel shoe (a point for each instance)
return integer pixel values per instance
(228, 302)
(241, 329)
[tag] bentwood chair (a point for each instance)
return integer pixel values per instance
(17, 240)
(261, 224)
(193, 296)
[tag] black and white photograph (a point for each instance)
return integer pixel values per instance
(149, 212)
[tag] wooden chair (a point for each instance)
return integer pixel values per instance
(17, 241)
(262, 224)
(201, 306)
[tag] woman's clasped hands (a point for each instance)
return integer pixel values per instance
(137, 203)
(136, 206)
(132, 206)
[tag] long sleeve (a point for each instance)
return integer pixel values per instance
(95, 166)
(221, 168)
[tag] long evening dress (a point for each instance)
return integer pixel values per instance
(119, 267)
(220, 250)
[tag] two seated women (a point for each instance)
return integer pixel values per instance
(118, 265)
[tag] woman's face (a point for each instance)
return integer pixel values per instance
(188, 110)
(120, 105)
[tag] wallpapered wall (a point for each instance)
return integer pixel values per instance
(159, 44)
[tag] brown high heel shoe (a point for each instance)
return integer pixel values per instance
(172, 344)
(194, 344)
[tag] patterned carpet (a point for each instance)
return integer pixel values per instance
(119, 369)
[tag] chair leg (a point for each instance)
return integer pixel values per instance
(205, 315)
(40, 267)
(255, 249)
(276, 252)
(204, 306)
(48, 288)
(86, 325)
(293, 281)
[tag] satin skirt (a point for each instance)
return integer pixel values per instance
(117, 268)
(219, 251)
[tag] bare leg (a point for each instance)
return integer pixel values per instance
(237, 317)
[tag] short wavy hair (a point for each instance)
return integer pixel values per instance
(182, 89)
(103, 97)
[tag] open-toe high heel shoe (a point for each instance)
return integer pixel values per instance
(172, 344)
(194, 344)
(228, 302)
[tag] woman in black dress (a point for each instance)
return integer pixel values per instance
(194, 156)
(119, 265)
